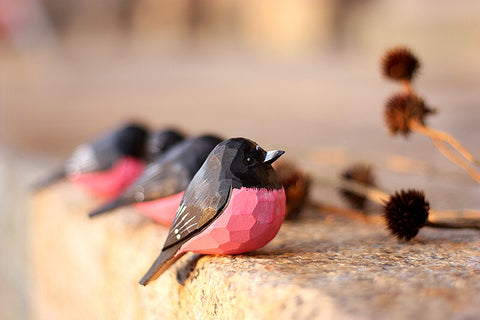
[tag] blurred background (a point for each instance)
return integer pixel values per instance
(300, 75)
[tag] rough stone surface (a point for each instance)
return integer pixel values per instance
(318, 267)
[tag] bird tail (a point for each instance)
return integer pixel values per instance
(166, 258)
(49, 180)
(109, 206)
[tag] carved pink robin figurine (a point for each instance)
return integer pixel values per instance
(234, 204)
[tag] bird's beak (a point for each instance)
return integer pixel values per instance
(273, 155)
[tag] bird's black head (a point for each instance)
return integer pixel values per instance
(247, 164)
(160, 141)
(191, 153)
(130, 140)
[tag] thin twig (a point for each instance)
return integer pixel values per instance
(407, 87)
(371, 193)
(436, 134)
(374, 194)
(456, 159)
(454, 225)
(348, 213)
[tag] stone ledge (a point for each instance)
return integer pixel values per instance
(317, 267)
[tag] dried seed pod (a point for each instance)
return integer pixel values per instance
(405, 112)
(406, 213)
(296, 184)
(360, 173)
(400, 64)
(401, 110)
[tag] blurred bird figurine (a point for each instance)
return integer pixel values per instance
(160, 141)
(158, 191)
(107, 165)
(234, 204)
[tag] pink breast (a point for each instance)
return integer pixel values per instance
(250, 221)
(162, 210)
(110, 183)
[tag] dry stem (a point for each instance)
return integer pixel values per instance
(407, 87)
(455, 158)
(440, 135)
(371, 193)
(348, 213)
(454, 225)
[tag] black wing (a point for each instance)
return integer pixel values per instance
(92, 157)
(53, 177)
(205, 199)
(159, 180)
(102, 152)
(88, 157)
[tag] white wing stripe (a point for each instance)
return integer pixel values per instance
(185, 224)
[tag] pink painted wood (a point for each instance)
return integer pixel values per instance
(109, 184)
(162, 210)
(250, 221)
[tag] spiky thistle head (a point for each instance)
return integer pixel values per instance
(401, 109)
(296, 184)
(406, 213)
(360, 173)
(399, 64)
